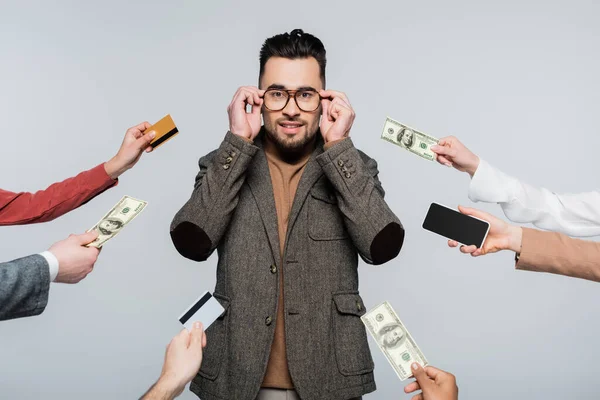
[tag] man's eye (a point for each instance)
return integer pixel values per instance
(276, 93)
(307, 95)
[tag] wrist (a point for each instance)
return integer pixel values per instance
(473, 167)
(241, 133)
(114, 168)
(170, 385)
(337, 138)
(516, 238)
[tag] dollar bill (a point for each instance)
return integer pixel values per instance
(393, 339)
(408, 138)
(115, 220)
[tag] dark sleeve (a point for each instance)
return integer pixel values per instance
(199, 226)
(24, 287)
(375, 230)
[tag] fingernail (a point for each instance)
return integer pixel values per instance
(197, 325)
(415, 366)
(448, 165)
(435, 147)
(152, 134)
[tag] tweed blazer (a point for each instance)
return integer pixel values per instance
(24, 287)
(338, 213)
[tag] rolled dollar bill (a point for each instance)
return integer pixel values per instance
(409, 138)
(115, 220)
(393, 339)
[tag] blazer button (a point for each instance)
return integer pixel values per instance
(358, 306)
(340, 163)
(226, 166)
(268, 320)
(229, 159)
(273, 269)
(347, 175)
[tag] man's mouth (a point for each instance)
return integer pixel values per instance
(290, 124)
(290, 127)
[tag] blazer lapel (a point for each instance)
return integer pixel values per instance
(259, 180)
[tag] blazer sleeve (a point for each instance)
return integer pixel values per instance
(374, 229)
(24, 287)
(58, 199)
(559, 254)
(575, 214)
(200, 224)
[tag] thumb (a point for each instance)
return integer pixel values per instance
(197, 336)
(421, 376)
(257, 108)
(144, 141)
(86, 238)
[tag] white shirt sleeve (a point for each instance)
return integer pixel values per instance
(52, 264)
(573, 214)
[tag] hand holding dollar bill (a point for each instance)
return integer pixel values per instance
(393, 339)
(113, 222)
(409, 139)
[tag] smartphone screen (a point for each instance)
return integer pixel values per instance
(456, 226)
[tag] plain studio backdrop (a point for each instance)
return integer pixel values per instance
(516, 81)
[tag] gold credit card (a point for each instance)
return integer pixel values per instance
(165, 129)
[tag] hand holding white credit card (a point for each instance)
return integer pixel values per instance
(205, 309)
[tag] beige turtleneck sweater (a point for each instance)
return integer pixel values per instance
(285, 176)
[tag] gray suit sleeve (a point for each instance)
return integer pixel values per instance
(24, 287)
(374, 229)
(199, 226)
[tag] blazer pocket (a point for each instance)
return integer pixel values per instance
(351, 347)
(325, 220)
(216, 338)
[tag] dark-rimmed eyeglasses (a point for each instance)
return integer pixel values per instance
(307, 100)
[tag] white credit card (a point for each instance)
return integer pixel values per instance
(205, 309)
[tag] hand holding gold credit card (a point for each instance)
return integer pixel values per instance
(165, 129)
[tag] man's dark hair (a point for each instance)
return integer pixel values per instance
(293, 45)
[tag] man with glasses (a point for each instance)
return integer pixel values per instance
(289, 207)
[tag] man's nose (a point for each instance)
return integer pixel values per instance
(291, 108)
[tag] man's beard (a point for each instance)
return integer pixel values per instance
(295, 145)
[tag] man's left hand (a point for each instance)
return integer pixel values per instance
(338, 115)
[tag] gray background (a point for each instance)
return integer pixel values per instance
(516, 81)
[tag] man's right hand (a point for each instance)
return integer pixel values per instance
(452, 153)
(434, 384)
(241, 123)
(74, 260)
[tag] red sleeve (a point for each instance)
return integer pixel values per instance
(58, 199)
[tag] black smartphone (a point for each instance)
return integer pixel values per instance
(453, 225)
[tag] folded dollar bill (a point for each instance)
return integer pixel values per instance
(115, 220)
(393, 339)
(408, 138)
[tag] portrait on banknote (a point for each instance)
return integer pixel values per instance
(406, 137)
(391, 336)
(110, 226)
